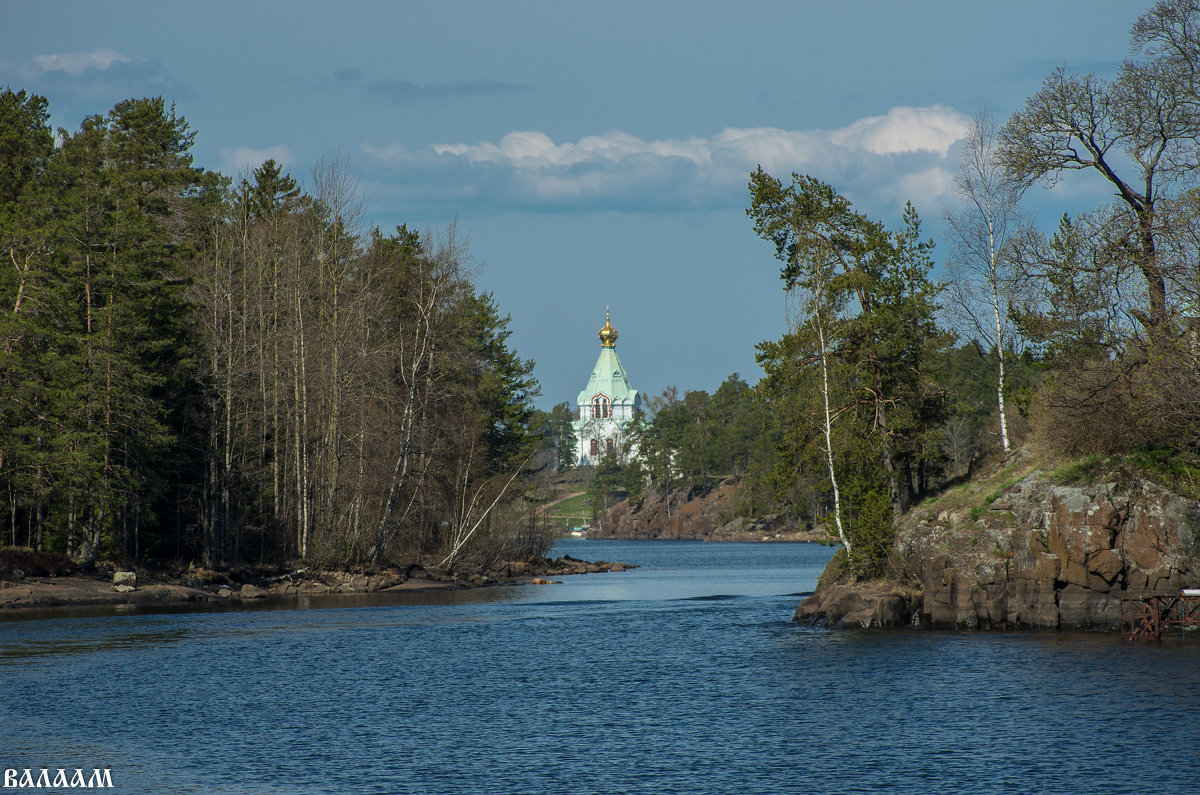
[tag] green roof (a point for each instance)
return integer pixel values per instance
(608, 378)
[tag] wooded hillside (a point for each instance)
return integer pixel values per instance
(205, 369)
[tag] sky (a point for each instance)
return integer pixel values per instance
(594, 155)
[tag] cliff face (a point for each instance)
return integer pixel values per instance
(706, 516)
(1039, 555)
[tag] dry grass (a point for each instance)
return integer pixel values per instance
(993, 477)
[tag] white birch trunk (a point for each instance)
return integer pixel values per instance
(837, 499)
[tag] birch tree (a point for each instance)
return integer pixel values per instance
(981, 226)
(820, 318)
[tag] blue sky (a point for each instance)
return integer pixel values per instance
(595, 155)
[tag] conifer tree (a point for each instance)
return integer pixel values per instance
(864, 342)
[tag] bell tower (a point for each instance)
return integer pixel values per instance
(607, 405)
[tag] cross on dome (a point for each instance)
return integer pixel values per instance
(608, 334)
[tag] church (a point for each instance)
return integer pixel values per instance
(608, 405)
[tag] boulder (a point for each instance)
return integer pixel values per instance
(249, 591)
(377, 582)
(125, 578)
(855, 606)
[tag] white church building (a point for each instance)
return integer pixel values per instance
(608, 405)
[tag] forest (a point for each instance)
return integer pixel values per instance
(197, 368)
(203, 368)
(1080, 339)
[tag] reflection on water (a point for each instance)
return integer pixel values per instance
(683, 676)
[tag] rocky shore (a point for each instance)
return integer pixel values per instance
(38, 588)
(695, 516)
(1025, 551)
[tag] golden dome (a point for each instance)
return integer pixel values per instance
(608, 334)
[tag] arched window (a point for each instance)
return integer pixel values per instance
(600, 407)
(595, 448)
(608, 443)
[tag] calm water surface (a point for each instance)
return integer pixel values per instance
(684, 676)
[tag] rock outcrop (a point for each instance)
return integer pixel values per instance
(1037, 555)
(694, 516)
(1050, 556)
(870, 606)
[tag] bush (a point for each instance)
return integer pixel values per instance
(35, 564)
(1093, 409)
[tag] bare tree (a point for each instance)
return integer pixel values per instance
(431, 283)
(1138, 131)
(981, 226)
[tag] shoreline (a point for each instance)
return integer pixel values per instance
(198, 586)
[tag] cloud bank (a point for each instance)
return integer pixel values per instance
(99, 74)
(881, 161)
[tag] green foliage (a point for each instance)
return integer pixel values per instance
(557, 435)
(608, 486)
(693, 442)
(99, 323)
(1074, 317)
(504, 387)
(224, 373)
(26, 143)
(866, 327)
(1172, 467)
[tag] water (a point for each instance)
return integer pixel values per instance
(684, 676)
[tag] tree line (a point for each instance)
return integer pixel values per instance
(687, 444)
(1090, 330)
(890, 382)
(200, 368)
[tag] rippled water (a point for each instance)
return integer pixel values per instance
(684, 676)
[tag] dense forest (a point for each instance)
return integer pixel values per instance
(220, 370)
(198, 368)
(1081, 341)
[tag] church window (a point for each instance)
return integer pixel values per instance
(595, 448)
(600, 407)
(608, 443)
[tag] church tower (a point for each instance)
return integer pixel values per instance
(607, 405)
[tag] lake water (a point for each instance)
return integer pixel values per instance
(684, 676)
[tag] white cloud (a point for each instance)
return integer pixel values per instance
(933, 183)
(900, 155)
(76, 63)
(246, 159)
(901, 130)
